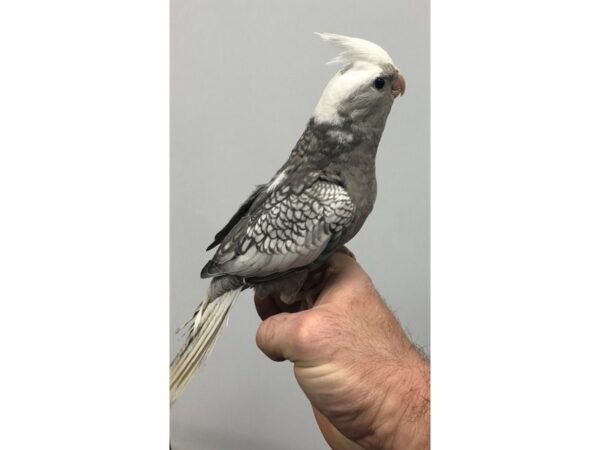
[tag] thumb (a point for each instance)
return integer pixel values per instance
(277, 334)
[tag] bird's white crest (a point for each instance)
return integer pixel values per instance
(356, 49)
(362, 62)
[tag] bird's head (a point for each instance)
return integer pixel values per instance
(365, 87)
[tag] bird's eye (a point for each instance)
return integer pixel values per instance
(379, 83)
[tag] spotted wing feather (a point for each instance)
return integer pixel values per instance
(290, 230)
(243, 209)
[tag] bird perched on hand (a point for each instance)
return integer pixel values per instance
(315, 203)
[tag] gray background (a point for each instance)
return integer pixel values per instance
(245, 77)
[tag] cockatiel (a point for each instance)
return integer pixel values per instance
(316, 202)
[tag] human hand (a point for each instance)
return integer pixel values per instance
(368, 385)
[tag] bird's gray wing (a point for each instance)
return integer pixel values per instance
(237, 216)
(291, 229)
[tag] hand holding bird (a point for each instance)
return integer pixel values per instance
(368, 385)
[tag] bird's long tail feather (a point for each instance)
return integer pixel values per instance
(210, 317)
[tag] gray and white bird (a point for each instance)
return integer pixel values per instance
(316, 202)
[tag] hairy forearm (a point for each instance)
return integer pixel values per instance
(412, 398)
(402, 419)
(391, 392)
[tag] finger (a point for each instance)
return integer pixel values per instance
(287, 307)
(266, 307)
(347, 251)
(344, 277)
(317, 279)
(276, 335)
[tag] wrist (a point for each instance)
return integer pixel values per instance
(404, 416)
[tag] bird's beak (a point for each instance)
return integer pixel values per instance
(398, 84)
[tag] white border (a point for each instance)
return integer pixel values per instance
(83, 181)
(84, 240)
(516, 224)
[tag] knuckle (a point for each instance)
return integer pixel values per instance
(265, 332)
(308, 333)
(260, 334)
